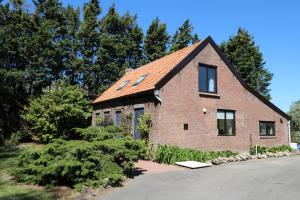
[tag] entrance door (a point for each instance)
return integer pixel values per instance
(137, 112)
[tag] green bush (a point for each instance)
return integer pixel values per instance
(171, 154)
(56, 113)
(264, 149)
(144, 125)
(80, 163)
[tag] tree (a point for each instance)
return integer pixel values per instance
(183, 37)
(120, 46)
(88, 36)
(295, 115)
(248, 61)
(50, 39)
(12, 98)
(73, 69)
(156, 41)
(56, 113)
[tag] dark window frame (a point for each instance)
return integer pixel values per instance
(267, 134)
(225, 124)
(207, 81)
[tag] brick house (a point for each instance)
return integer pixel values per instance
(197, 100)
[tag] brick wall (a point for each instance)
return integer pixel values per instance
(181, 103)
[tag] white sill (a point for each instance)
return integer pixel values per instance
(207, 94)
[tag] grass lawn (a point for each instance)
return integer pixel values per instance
(10, 190)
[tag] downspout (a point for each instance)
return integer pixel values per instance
(156, 94)
(289, 132)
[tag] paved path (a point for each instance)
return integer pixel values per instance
(268, 179)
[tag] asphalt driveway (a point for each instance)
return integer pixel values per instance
(272, 178)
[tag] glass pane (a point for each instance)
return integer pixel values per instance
(221, 126)
(118, 118)
(262, 129)
(229, 126)
(202, 79)
(229, 115)
(221, 115)
(271, 130)
(211, 80)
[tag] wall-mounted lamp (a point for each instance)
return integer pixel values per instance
(204, 110)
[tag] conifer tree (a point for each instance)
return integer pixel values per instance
(73, 69)
(156, 40)
(243, 53)
(183, 37)
(120, 46)
(88, 36)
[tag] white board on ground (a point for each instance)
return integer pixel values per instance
(193, 164)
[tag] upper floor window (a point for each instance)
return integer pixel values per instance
(123, 85)
(207, 78)
(140, 80)
(266, 128)
(226, 122)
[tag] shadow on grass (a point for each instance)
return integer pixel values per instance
(10, 190)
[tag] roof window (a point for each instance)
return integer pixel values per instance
(140, 80)
(123, 85)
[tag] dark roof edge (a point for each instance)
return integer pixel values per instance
(196, 51)
(138, 94)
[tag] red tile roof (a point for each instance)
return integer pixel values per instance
(155, 71)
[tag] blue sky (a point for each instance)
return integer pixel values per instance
(274, 24)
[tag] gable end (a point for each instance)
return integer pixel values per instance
(195, 52)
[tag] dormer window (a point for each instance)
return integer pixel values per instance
(123, 85)
(140, 80)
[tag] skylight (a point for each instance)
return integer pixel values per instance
(123, 85)
(140, 80)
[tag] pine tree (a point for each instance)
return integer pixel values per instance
(248, 60)
(88, 36)
(73, 70)
(50, 38)
(156, 41)
(120, 46)
(183, 37)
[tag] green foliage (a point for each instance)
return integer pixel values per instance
(12, 99)
(295, 137)
(97, 160)
(171, 154)
(1, 138)
(100, 133)
(120, 45)
(248, 60)
(145, 125)
(156, 40)
(55, 113)
(295, 115)
(263, 149)
(183, 37)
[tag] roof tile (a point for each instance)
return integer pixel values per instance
(156, 70)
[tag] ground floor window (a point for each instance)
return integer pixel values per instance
(107, 118)
(226, 122)
(118, 117)
(266, 128)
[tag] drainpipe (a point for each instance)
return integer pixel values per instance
(156, 94)
(289, 132)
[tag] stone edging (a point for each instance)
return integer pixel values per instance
(224, 160)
